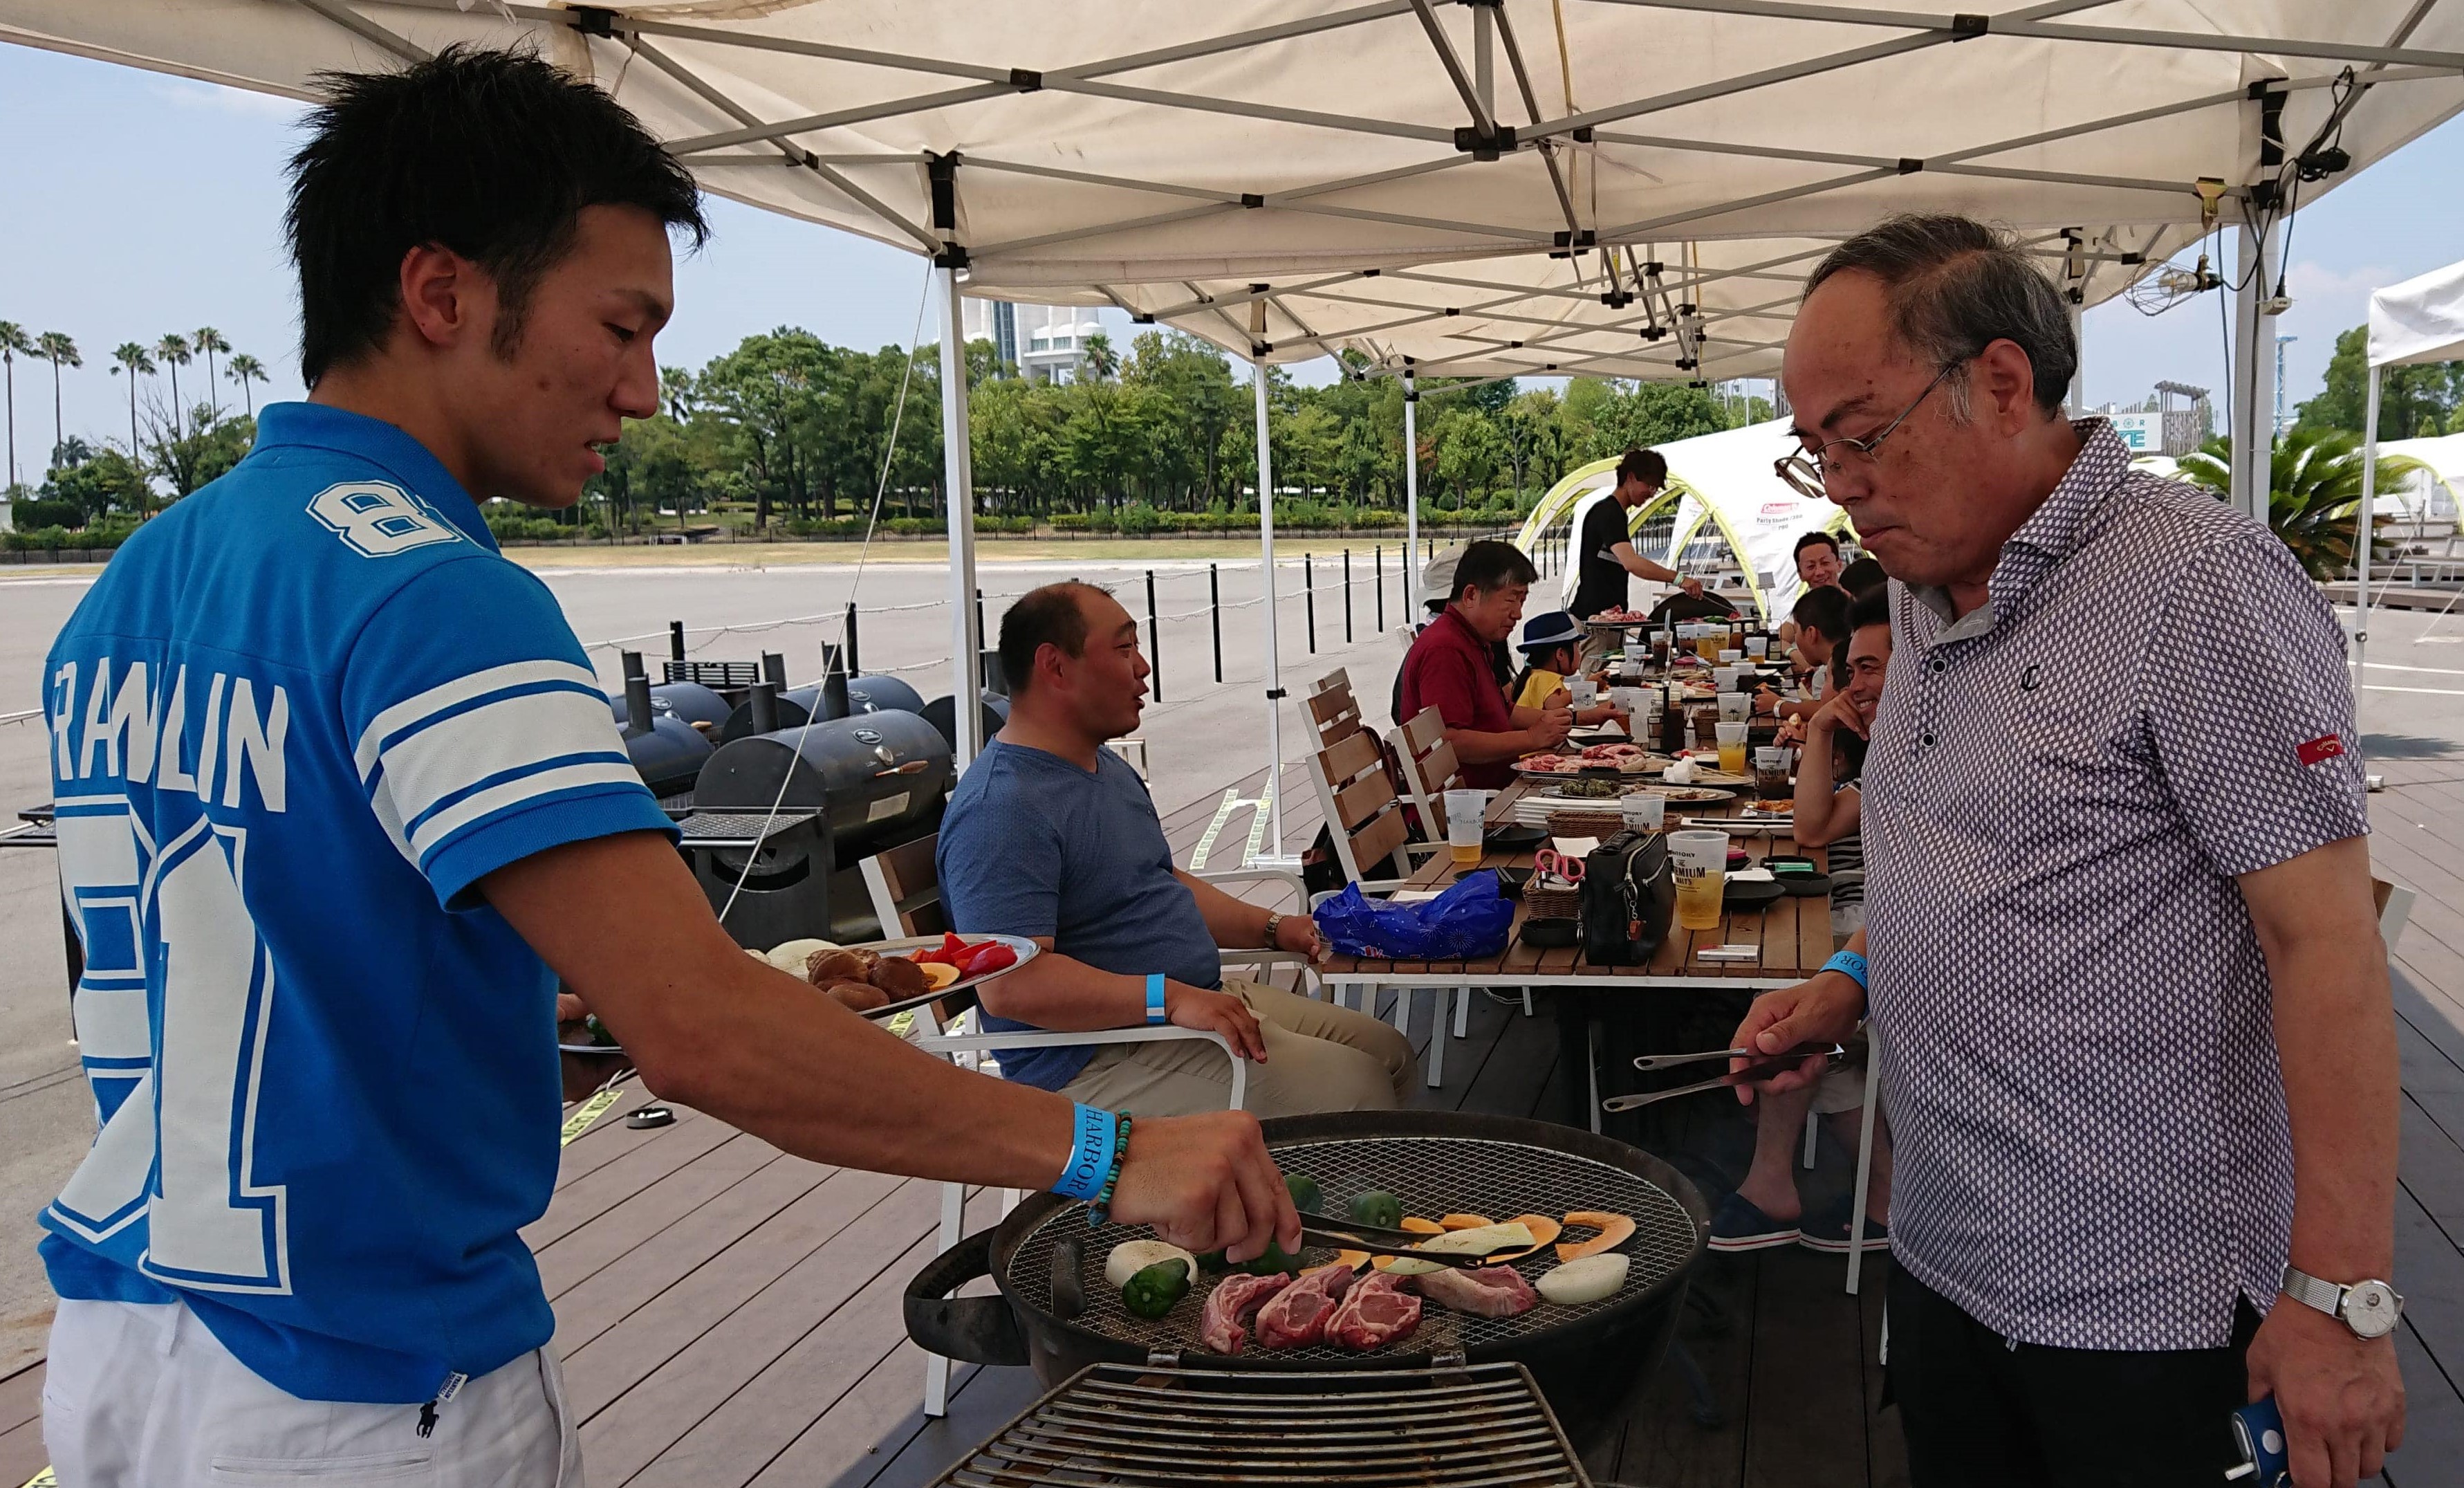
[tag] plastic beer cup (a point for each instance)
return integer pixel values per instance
(1731, 737)
(1698, 862)
(1464, 827)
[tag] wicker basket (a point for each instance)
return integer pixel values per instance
(1586, 822)
(1552, 903)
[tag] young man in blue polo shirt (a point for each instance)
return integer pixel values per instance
(339, 803)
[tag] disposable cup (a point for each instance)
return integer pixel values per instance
(1644, 810)
(1731, 737)
(1463, 825)
(1770, 773)
(1758, 646)
(1736, 707)
(1698, 863)
(1586, 691)
(1730, 656)
(1628, 700)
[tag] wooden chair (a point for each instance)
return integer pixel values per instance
(904, 882)
(1334, 712)
(1429, 772)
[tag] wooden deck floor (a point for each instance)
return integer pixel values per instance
(730, 1315)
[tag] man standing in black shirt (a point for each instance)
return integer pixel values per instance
(1605, 546)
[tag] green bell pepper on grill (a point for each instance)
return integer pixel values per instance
(1155, 1291)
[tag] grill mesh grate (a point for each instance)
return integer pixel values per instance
(1125, 1427)
(1433, 1176)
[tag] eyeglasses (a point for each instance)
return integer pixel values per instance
(1804, 470)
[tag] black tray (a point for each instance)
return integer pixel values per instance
(1514, 838)
(1551, 934)
(1750, 893)
(1812, 885)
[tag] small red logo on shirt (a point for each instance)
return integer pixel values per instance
(2324, 747)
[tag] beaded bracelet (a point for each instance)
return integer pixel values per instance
(1100, 1212)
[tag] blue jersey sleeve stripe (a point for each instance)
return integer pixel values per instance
(444, 757)
(528, 790)
(518, 773)
(445, 694)
(575, 815)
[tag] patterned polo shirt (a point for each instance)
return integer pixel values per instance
(2062, 787)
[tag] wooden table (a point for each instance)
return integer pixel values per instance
(1793, 934)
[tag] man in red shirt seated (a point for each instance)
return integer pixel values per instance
(1449, 669)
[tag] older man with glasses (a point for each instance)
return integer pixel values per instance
(2125, 971)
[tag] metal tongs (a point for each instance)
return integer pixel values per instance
(1378, 1240)
(1762, 1069)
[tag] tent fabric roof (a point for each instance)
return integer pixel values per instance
(2421, 319)
(1167, 156)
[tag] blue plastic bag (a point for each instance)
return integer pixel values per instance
(1469, 919)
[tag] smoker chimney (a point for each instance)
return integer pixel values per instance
(834, 682)
(765, 707)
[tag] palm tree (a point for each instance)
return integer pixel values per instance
(173, 349)
(1101, 360)
(2314, 498)
(13, 341)
(210, 340)
(243, 371)
(56, 347)
(134, 358)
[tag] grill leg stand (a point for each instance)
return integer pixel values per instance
(936, 1369)
(1864, 1156)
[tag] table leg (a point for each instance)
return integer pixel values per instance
(1864, 1156)
(1437, 1039)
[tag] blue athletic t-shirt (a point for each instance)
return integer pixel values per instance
(299, 716)
(1033, 845)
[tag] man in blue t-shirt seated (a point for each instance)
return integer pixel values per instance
(1052, 836)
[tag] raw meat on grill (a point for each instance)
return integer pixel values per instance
(1223, 1324)
(1490, 1292)
(1374, 1313)
(1297, 1316)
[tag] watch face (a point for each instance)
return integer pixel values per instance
(2371, 1308)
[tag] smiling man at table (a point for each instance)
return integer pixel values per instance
(1448, 669)
(1052, 836)
(2126, 973)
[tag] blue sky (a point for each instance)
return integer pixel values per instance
(132, 205)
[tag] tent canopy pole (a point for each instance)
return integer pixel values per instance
(1411, 497)
(1273, 857)
(957, 479)
(2364, 531)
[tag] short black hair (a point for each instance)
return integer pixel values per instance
(491, 154)
(1815, 539)
(1954, 287)
(1870, 607)
(1052, 614)
(1824, 609)
(1863, 576)
(1489, 565)
(1643, 465)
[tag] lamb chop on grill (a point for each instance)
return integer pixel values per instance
(1490, 1292)
(1223, 1325)
(1298, 1315)
(1373, 1313)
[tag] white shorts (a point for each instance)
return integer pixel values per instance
(140, 1395)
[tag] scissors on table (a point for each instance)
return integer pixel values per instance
(1549, 863)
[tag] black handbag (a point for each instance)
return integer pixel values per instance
(1628, 896)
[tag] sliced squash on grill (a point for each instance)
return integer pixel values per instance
(1544, 1231)
(1614, 1230)
(1464, 1221)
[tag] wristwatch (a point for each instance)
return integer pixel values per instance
(2371, 1309)
(1274, 923)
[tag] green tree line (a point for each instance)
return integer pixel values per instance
(2414, 402)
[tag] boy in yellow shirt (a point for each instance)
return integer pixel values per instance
(1552, 648)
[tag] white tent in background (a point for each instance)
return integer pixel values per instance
(2426, 498)
(2421, 319)
(1721, 481)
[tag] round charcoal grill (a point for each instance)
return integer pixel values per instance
(1437, 1163)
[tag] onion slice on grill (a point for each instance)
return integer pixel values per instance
(1481, 1241)
(1614, 1230)
(1544, 1231)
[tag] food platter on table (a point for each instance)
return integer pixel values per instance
(1627, 759)
(597, 1041)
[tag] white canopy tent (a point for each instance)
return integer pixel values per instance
(2421, 319)
(2426, 498)
(1400, 177)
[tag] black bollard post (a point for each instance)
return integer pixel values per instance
(1155, 642)
(675, 640)
(1215, 611)
(1347, 597)
(1309, 588)
(853, 668)
(1381, 588)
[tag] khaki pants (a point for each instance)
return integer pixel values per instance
(1319, 1058)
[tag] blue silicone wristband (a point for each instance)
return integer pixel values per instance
(1155, 999)
(1091, 1154)
(1849, 962)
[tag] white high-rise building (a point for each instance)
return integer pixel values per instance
(1046, 343)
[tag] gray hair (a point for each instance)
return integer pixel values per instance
(1955, 286)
